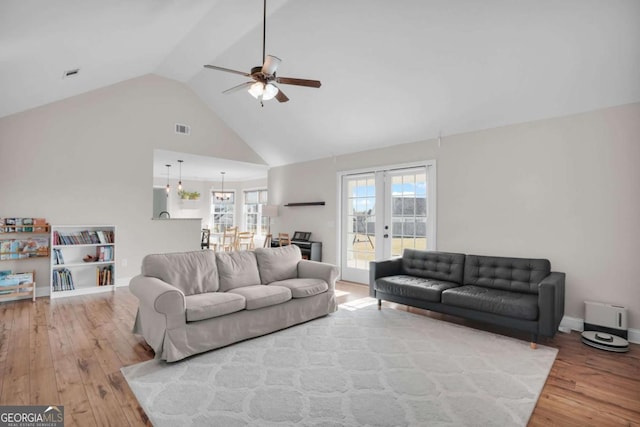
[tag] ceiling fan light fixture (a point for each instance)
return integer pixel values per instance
(267, 91)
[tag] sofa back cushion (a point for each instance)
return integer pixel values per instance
(277, 264)
(446, 266)
(192, 272)
(511, 274)
(237, 269)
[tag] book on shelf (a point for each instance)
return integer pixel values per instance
(24, 248)
(104, 275)
(104, 253)
(58, 258)
(23, 225)
(85, 237)
(9, 279)
(5, 249)
(35, 246)
(62, 280)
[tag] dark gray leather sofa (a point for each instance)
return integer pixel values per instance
(519, 293)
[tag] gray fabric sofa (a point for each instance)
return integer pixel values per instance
(191, 302)
(519, 293)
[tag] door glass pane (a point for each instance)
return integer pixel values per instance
(360, 239)
(408, 211)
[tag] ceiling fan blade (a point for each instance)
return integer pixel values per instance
(270, 65)
(228, 70)
(241, 86)
(281, 97)
(298, 82)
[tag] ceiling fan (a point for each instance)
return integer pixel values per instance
(264, 77)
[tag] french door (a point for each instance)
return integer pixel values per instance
(382, 213)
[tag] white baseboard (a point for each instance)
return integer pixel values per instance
(576, 324)
(122, 281)
(43, 292)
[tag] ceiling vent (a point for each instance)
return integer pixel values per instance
(71, 73)
(183, 129)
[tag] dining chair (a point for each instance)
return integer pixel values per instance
(267, 241)
(228, 243)
(204, 238)
(245, 241)
(283, 239)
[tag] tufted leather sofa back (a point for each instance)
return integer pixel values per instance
(444, 266)
(512, 274)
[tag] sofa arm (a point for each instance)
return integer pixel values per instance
(550, 303)
(378, 269)
(318, 270)
(159, 295)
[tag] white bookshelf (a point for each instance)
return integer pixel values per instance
(70, 274)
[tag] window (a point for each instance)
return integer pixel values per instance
(222, 210)
(253, 219)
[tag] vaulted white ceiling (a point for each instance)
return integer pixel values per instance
(392, 71)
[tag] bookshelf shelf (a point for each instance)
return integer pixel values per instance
(70, 274)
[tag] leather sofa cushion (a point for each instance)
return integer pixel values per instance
(276, 264)
(191, 272)
(302, 288)
(413, 287)
(511, 274)
(445, 266)
(212, 304)
(237, 269)
(505, 303)
(259, 296)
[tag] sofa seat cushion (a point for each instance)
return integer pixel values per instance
(413, 287)
(302, 288)
(212, 304)
(505, 303)
(259, 296)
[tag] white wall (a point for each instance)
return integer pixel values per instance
(88, 160)
(566, 189)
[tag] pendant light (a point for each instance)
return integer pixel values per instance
(168, 185)
(180, 179)
(221, 195)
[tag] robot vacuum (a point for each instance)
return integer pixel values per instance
(605, 341)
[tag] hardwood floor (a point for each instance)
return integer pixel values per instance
(69, 352)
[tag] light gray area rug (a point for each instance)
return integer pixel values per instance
(356, 367)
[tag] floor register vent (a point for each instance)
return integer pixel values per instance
(605, 327)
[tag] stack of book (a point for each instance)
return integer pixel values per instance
(58, 259)
(62, 280)
(86, 237)
(104, 275)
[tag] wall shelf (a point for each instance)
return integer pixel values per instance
(305, 204)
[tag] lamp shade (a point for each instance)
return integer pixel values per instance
(270, 210)
(268, 91)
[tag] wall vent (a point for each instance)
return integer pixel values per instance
(71, 73)
(183, 129)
